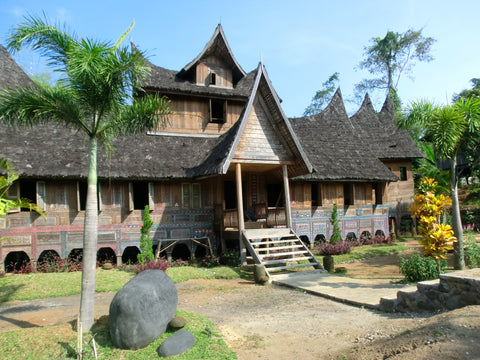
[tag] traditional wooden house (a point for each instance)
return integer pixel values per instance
(228, 139)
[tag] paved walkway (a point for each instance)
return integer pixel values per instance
(358, 292)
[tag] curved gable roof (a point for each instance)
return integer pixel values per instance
(217, 45)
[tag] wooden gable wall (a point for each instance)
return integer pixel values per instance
(260, 141)
(216, 65)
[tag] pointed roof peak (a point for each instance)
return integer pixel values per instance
(218, 45)
(11, 74)
(336, 105)
(387, 106)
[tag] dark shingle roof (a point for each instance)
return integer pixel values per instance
(335, 147)
(52, 151)
(381, 133)
(170, 81)
(11, 75)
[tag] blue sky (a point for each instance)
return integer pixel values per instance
(301, 42)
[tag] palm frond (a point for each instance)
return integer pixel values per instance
(448, 125)
(145, 113)
(34, 105)
(37, 33)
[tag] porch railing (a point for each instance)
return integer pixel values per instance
(271, 216)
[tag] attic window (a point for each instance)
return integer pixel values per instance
(403, 174)
(213, 79)
(218, 111)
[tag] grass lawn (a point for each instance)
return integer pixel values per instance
(44, 285)
(60, 342)
(366, 251)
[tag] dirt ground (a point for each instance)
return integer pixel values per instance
(271, 322)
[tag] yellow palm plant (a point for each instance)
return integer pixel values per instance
(427, 207)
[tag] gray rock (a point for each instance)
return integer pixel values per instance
(177, 343)
(178, 322)
(141, 310)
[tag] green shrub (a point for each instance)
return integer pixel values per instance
(472, 254)
(418, 268)
(230, 258)
(146, 248)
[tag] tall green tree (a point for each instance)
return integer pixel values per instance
(389, 58)
(452, 129)
(93, 95)
(324, 96)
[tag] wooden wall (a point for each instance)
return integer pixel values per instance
(399, 192)
(193, 116)
(216, 65)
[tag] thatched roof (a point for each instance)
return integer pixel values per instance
(335, 145)
(52, 151)
(182, 82)
(328, 146)
(11, 75)
(381, 133)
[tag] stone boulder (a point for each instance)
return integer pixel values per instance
(177, 343)
(178, 322)
(141, 310)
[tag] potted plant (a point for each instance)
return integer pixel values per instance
(335, 246)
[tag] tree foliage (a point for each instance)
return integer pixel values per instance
(427, 207)
(146, 248)
(324, 96)
(336, 233)
(389, 58)
(94, 95)
(6, 182)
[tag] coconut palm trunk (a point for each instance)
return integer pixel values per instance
(90, 236)
(456, 219)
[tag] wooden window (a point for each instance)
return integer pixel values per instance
(316, 194)
(218, 111)
(378, 192)
(13, 193)
(191, 196)
(348, 194)
(117, 196)
(139, 195)
(196, 192)
(403, 174)
(213, 79)
(34, 191)
(82, 188)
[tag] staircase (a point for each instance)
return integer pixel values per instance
(278, 250)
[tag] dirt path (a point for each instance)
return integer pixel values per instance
(271, 322)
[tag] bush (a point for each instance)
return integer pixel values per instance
(418, 268)
(472, 254)
(160, 264)
(209, 261)
(230, 258)
(341, 247)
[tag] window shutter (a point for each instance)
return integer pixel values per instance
(151, 196)
(130, 196)
(13, 193)
(186, 196)
(41, 195)
(210, 110)
(196, 198)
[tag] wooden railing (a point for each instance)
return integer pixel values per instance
(272, 216)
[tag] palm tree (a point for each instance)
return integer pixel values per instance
(93, 95)
(451, 129)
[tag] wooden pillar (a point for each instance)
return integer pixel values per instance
(286, 187)
(241, 222)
